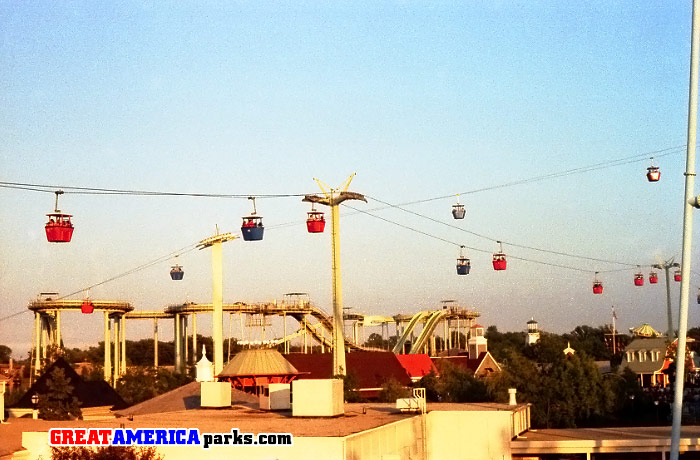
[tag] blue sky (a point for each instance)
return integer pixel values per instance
(421, 99)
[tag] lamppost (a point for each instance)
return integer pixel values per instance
(689, 201)
(35, 403)
(332, 198)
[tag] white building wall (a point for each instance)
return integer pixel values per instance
(469, 435)
(402, 440)
(454, 435)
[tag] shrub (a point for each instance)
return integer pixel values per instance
(104, 453)
(393, 390)
(59, 403)
(140, 384)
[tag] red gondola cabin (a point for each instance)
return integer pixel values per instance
(499, 261)
(315, 222)
(653, 278)
(597, 287)
(653, 174)
(87, 307)
(499, 258)
(639, 279)
(677, 276)
(59, 228)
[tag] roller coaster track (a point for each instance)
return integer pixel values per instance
(430, 324)
(417, 318)
(327, 324)
(296, 310)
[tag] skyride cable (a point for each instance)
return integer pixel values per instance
(144, 266)
(568, 267)
(113, 191)
(495, 240)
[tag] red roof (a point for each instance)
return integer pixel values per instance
(418, 365)
(463, 361)
(370, 368)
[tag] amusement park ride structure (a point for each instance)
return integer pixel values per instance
(313, 322)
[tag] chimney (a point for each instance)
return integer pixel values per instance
(511, 397)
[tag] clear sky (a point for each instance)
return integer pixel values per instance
(420, 99)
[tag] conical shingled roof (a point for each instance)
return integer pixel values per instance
(258, 362)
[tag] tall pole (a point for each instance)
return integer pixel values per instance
(178, 343)
(123, 353)
(108, 349)
(217, 275)
(666, 266)
(194, 337)
(117, 344)
(217, 290)
(332, 198)
(155, 343)
(59, 339)
(37, 342)
(669, 311)
(338, 336)
(613, 331)
(687, 235)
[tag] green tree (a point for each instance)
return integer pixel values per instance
(351, 393)
(454, 385)
(376, 341)
(501, 343)
(393, 390)
(5, 354)
(59, 403)
(140, 384)
(565, 392)
(105, 453)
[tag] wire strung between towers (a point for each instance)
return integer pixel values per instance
(495, 240)
(46, 188)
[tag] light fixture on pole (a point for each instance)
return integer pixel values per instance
(35, 404)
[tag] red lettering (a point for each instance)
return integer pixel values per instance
(80, 435)
(55, 436)
(67, 437)
(93, 437)
(105, 436)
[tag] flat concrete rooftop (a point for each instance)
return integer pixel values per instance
(246, 417)
(604, 440)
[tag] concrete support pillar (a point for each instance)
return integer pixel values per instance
(284, 326)
(445, 339)
(178, 343)
(305, 334)
(108, 349)
(185, 340)
(44, 336)
(217, 272)
(123, 352)
(37, 343)
(117, 360)
(195, 352)
(338, 335)
(155, 343)
(59, 337)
